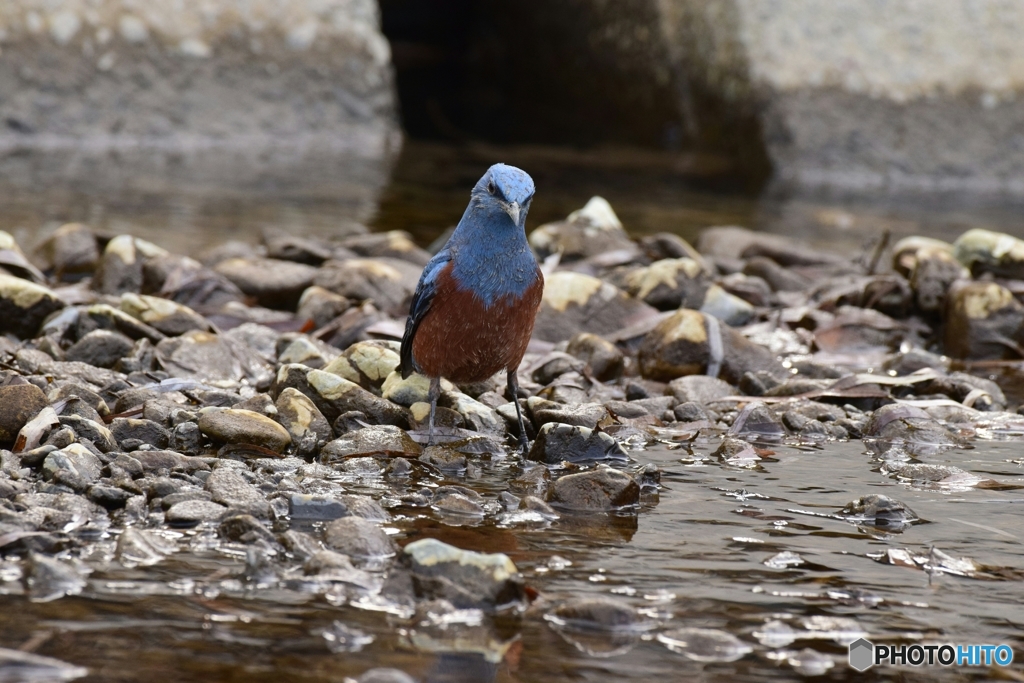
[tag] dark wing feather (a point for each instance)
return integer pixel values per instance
(421, 298)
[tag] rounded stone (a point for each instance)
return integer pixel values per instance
(596, 490)
(19, 403)
(232, 425)
(358, 538)
(191, 512)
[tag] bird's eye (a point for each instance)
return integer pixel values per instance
(490, 187)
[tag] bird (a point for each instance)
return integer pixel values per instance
(476, 302)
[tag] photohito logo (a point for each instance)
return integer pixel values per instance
(864, 654)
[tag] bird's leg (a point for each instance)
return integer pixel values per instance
(513, 390)
(433, 394)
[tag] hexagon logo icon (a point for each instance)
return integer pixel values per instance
(862, 654)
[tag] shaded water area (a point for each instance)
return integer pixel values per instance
(757, 549)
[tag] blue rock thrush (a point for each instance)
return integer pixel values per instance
(476, 302)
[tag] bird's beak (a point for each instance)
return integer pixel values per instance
(512, 209)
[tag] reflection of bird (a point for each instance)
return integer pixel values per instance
(473, 310)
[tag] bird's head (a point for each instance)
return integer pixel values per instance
(505, 189)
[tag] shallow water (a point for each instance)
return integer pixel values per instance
(693, 556)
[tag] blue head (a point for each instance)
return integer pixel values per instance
(489, 250)
(502, 191)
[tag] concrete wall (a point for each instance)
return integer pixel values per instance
(919, 94)
(240, 94)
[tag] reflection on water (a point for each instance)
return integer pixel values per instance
(695, 557)
(188, 205)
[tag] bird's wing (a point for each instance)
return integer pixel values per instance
(421, 298)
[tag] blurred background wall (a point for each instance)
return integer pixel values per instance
(314, 95)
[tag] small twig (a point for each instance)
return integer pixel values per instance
(877, 253)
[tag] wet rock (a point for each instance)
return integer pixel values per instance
(316, 508)
(145, 431)
(321, 306)
(736, 451)
(971, 390)
(358, 538)
(210, 357)
(468, 580)
(192, 512)
(274, 283)
(444, 458)
(368, 363)
(48, 579)
(120, 269)
(984, 251)
(163, 315)
(705, 644)
(233, 426)
(230, 488)
(699, 389)
(588, 415)
(911, 428)
(454, 503)
(387, 282)
(139, 547)
(556, 443)
(575, 303)
(879, 511)
(245, 529)
(101, 348)
(595, 490)
(19, 403)
(598, 613)
(758, 421)
(338, 395)
(603, 359)
(24, 306)
(690, 343)
(383, 440)
(983, 321)
(302, 419)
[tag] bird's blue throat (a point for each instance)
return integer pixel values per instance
(494, 259)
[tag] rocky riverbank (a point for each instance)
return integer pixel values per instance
(252, 393)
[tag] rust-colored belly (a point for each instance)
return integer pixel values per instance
(464, 341)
